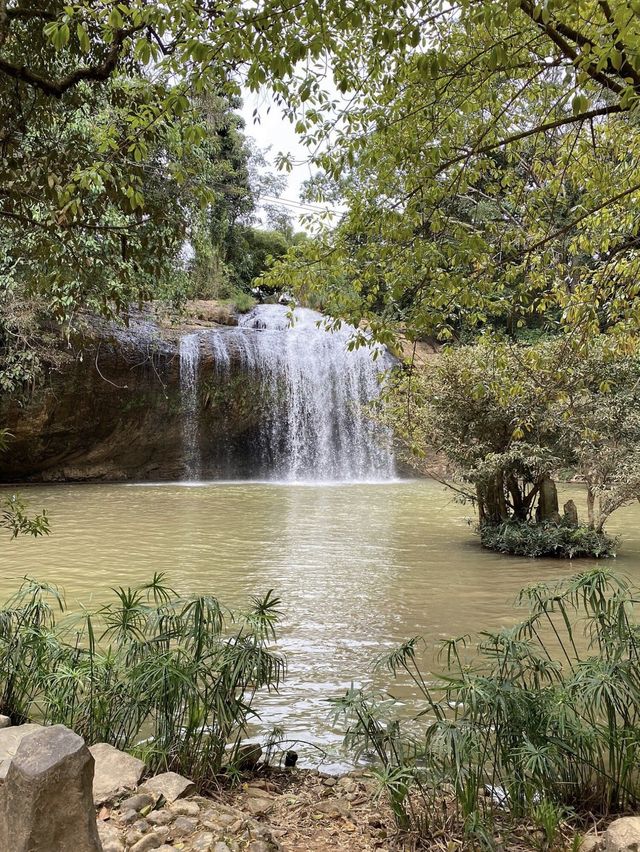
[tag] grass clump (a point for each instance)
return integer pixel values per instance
(539, 723)
(241, 301)
(562, 541)
(173, 678)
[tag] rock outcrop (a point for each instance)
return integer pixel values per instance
(113, 410)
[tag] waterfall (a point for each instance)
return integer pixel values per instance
(189, 375)
(313, 392)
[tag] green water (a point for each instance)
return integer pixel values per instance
(359, 568)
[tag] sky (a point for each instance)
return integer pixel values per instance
(273, 134)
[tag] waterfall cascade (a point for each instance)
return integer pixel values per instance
(189, 374)
(312, 389)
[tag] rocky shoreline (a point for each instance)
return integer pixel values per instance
(291, 811)
(57, 795)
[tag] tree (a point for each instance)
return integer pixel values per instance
(510, 418)
(517, 108)
(13, 510)
(105, 140)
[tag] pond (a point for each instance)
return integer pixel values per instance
(359, 568)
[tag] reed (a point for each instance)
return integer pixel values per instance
(174, 678)
(534, 724)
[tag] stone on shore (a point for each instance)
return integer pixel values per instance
(170, 785)
(623, 835)
(10, 739)
(115, 772)
(46, 797)
(5, 721)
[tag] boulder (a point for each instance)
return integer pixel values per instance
(46, 801)
(10, 739)
(570, 514)
(248, 756)
(623, 835)
(170, 785)
(116, 772)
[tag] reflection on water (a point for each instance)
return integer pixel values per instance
(359, 568)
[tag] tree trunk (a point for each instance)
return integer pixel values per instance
(548, 501)
(591, 502)
(493, 502)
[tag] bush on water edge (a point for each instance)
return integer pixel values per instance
(172, 678)
(521, 538)
(536, 724)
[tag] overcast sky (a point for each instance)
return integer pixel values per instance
(276, 133)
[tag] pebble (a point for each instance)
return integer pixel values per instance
(138, 802)
(217, 821)
(257, 807)
(112, 846)
(221, 847)
(330, 781)
(202, 842)
(132, 837)
(184, 825)
(162, 817)
(185, 808)
(127, 817)
(149, 841)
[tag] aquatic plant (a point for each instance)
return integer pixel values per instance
(173, 678)
(540, 722)
(560, 540)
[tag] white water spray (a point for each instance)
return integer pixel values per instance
(315, 392)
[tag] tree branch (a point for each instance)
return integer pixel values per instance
(57, 88)
(553, 33)
(533, 131)
(26, 14)
(566, 228)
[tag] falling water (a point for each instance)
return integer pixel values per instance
(189, 374)
(313, 391)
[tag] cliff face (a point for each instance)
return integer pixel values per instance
(115, 412)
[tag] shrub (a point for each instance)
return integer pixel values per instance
(172, 678)
(241, 301)
(522, 538)
(545, 718)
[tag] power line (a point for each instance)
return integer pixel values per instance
(300, 205)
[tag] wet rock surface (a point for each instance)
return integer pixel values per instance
(111, 411)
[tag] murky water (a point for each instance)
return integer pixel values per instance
(359, 567)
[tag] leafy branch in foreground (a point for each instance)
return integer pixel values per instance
(13, 510)
(173, 678)
(542, 720)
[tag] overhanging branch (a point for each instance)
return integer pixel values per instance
(57, 88)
